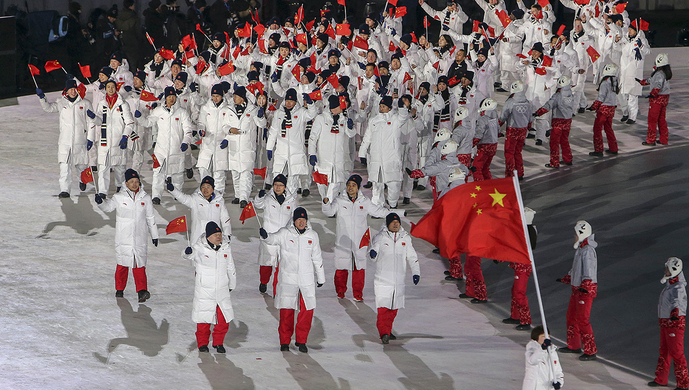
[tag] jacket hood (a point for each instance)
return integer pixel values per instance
(591, 241)
(681, 283)
(520, 96)
(401, 233)
(131, 193)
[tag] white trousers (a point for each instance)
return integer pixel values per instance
(393, 193)
(579, 81)
(219, 176)
(104, 176)
(159, 182)
(331, 191)
(242, 183)
(629, 104)
(66, 172)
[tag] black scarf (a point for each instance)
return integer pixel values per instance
(336, 127)
(214, 247)
(286, 123)
(240, 108)
(280, 198)
(157, 68)
(576, 36)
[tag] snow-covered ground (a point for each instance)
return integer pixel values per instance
(63, 328)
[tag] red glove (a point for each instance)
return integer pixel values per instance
(674, 314)
(500, 123)
(416, 174)
(541, 111)
(596, 105)
(431, 181)
(476, 140)
(642, 82)
(566, 280)
(654, 92)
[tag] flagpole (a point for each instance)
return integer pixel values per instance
(33, 77)
(517, 189)
(187, 231)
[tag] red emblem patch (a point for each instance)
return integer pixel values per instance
(361, 207)
(287, 207)
(176, 119)
(248, 114)
(143, 204)
(81, 108)
(217, 205)
(310, 241)
(389, 123)
(404, 243)
(226, 255)
(295, 117)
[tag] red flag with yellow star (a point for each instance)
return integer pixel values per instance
(248, 212)
(177, 225)
(87, 175)
(479, 218)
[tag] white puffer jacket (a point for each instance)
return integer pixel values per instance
(242, 146)
(290, 152)
(135, 220)
(204, 211)
(275, 216)
(174, 129)
(119, 121)
(75, 128)
(540, 366)
(394, 252)
(212, 120)
(300, 259)
(331, 149)
(215, 277)
(383, 139)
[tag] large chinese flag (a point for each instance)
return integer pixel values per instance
(177, 225)
(248, 212)
(479, 218)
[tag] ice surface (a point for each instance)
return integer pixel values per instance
(63, 328)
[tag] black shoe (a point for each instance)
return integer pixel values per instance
(143, 295)
(631, 121)
(501, 89)
(220, 348)
(447, 273)
(501, 135)
(451, 278)
(568, 350)
(436, 251)
(608, 151)
(203, 348)
(586, 358)
(547, 133)
(262, 288)
(539, 142)
(465, 296)
(624, 118)
(520, 178)
(243, 204)
(406, 200)
(156, 200)
(476, 300)
(416, 184)
(190, 173)
(531, 135)
(581, 110)
(510, 320)
(306, 192)
(302, 347)
(235, 201)
(119, 294)
(369, 184)
(648, 144)
(392, 336)
(497, 84)
(420, 188)
(566, 163)
(118, 189)
(284, 347)
(523, 327)
(82, 186)
(267, 186)
(385, 339)
(102, 196)
(193, 147)
(63, 194)
(550, 166)
(94, 168)
(655, 384)
(298, 190)
(596, 154)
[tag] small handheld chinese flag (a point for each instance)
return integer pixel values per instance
(560, 30)
(296, 72)
(260, 29)
(85, 70)
(543, 3)
(119, 85)
(343, 102)
(593, 54)
(393, 2)
(332, 79)
(341, 2)
(226, 69)
(316, 95)
(504, 18)
(87, 175)
(150, 40)
(619, 7)
(413, 37)
(34, 70)
(244, 32)
(360, 43)
(177, 225)
(547, 61)
(167, 54)
(248, 212)
(261, 172)
(52, 65)
(343, 29)
(310, 24)
(148, 97)
(407, 77)
(365, 239)
(426, 23)
(400, 11)
(156, 163)
(81, 89)
(392, 47)
(320, 178)
(299, 16)
(541, 70)
(476, 26)
(330, 31)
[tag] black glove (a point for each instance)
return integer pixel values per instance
(583, 290)
(496, 261)
(90, 114)
(350, 123)
(260, 112)
(274, 77)
(263, 233)
(265, 134)
(319, 284)
(307, 98)
(372, 253)
(313, 160)
(155, 241)
(40, 93)
(223, 144)
(127, 88)
(400, 103)
(363, 161)
(184, 147)
(99, 200)
(446, 27)
(188, 251)
(137, 114)
(415, 279)
(202, 133)
(557, 385)
(229, 238)
(559, 280)
(89, 144)
(170, 186)
(408, 171)
(123, 142)
(154, 105)
(261, 193)
(270, 154)
(192, 87)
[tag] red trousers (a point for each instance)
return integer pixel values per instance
(358, 278)
(484, 156)
(203, 331)
(559, 139)
(520, 304)
(604, 121)
(385, 319)
(456, 267)
(475, 285)
(656, 118)
(579, 329)
(122, 273)
(286, 326)
(514, 143)
(672, 347)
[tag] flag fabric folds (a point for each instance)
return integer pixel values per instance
(248, 212)
(52, 65)
(320, 178)
(177, 225)
(87, 175)
(365, 239)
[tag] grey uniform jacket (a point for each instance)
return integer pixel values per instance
(658, 81)
(606, 95)
(487, 128)
(561, 103)
(585, 265)
(673, 296)
(516, 111)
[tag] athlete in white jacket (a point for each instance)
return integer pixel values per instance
(213, 118)
(206, 206)
(543, 369)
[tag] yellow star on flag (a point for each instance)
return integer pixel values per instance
(473, 195)
(475, 204)
(181, 220)
(478, 188)
(497, 198)
(478, 211)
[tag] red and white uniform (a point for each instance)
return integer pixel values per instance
(672, 311)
